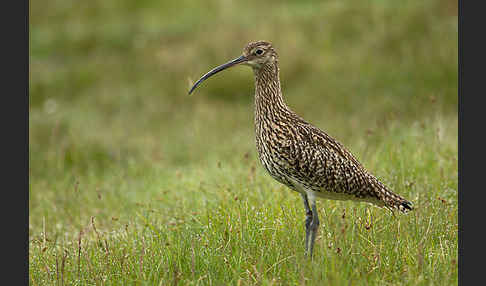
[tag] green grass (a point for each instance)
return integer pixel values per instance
(133, 182)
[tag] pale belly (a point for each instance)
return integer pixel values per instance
(281, 171)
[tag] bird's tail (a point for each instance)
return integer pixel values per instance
(405, 206)
(392, 200)
(395, 201)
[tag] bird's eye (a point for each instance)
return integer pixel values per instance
(259, 52)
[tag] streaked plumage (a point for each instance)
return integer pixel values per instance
(300, 155)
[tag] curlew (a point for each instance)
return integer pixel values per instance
(300, 155)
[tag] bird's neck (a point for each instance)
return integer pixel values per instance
(269, 102)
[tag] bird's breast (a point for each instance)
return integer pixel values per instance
(276, 151)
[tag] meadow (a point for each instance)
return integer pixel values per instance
(133, 182)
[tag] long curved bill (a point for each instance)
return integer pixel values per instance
(218, 69)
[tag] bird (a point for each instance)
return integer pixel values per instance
(300, 155)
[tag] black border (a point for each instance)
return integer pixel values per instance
(14, 118)
(471, 123)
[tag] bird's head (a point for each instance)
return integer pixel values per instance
(256, 55)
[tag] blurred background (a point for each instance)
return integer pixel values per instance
(108, 83)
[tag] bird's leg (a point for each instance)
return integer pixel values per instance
(314, 225)
(308, 220)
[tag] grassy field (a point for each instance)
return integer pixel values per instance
(133, 182)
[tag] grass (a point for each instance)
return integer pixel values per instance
(134, 182)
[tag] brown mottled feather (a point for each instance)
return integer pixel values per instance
(302, 156)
